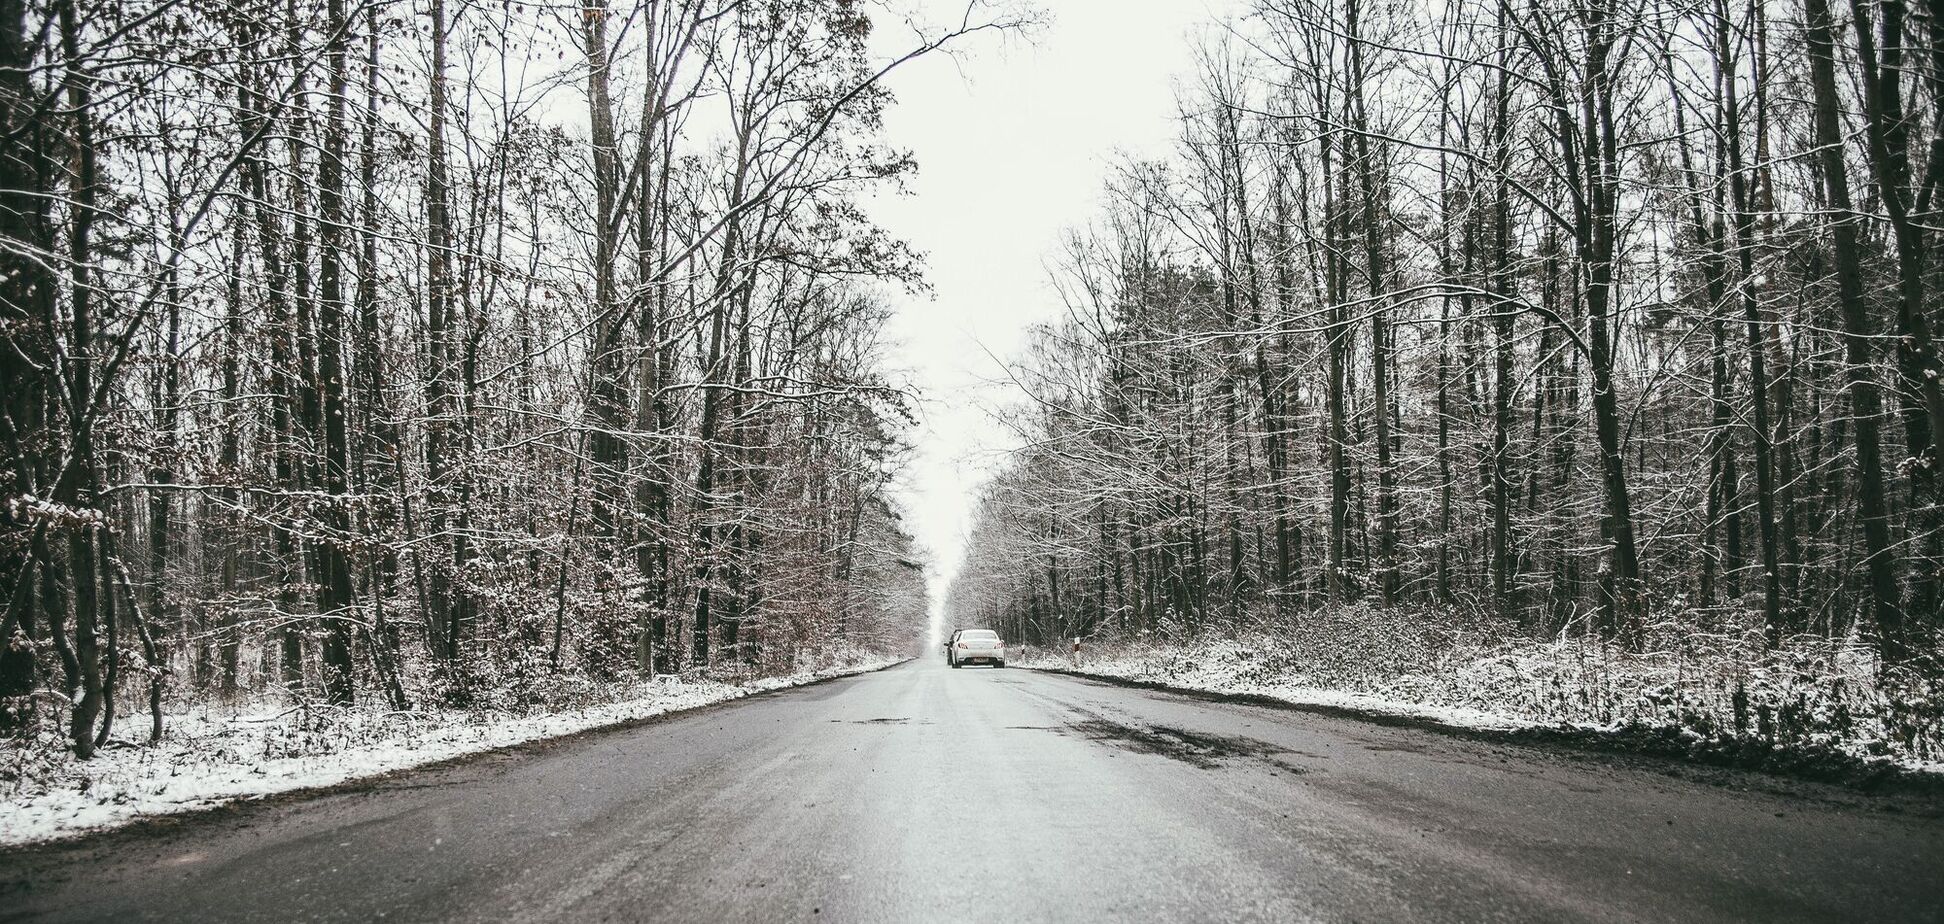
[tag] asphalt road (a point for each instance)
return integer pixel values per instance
(922, 793)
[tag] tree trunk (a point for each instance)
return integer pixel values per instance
(1865, 404)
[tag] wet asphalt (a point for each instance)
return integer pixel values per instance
(921, 793)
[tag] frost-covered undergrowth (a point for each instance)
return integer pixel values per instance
(1812, 705)
(212, 755)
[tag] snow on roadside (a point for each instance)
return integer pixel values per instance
(210, 757)
(1143, 668)
(1830, 717)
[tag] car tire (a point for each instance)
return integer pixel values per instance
(999, 664)
(954, 663)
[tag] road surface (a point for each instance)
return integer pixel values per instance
(922, 793)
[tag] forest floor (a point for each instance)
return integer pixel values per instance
(212, 755)
(1818, 711)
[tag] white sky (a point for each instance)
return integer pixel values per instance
(1013, 138)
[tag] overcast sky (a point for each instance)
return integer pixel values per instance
(1012, 138)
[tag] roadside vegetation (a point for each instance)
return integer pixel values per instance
(441, 360)
(1811, 707)
(1572, 362)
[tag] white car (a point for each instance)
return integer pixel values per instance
(971, 646)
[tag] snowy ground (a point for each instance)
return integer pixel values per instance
(1147, 667)
(1815, 709)
(212, 756)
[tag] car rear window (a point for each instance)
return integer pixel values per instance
(978, 633)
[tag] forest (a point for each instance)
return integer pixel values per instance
(443, 354)
(910, 460)
(1600, 328)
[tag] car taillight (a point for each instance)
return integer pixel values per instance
(963, 646)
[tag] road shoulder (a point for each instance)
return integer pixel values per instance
(1884, 787)
(154, 793)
